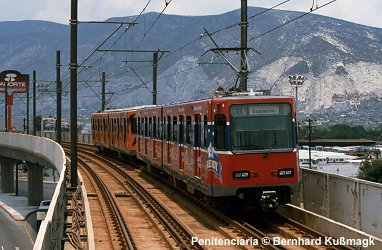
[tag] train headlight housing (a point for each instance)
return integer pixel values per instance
(241, 174)
(286, 172)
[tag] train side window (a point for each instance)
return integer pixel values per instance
(168, 128)
(205, 132)
(142, 126)
(181, 129)
(118, 127)
(197, 134)
(146, 123)
(124, 129)
(139, 126)
(160, 128)
(133, 124)
(220, 132)
(188, 130)
(174, 129)
(150, 127)
(164, 126)
(155, 127)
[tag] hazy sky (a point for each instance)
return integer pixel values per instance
(368, 12)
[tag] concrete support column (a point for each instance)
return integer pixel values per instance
(7, 175)
(35, 184)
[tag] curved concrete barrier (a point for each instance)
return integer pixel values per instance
(47, 153)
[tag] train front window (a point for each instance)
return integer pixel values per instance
(261, 127)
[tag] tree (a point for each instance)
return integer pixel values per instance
(371, 171)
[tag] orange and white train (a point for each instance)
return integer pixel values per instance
(240, 146)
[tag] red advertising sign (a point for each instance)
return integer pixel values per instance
(14, 80)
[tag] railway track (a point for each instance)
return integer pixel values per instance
(172, 210)
(153, 218)
(106, 212)
(206, 223)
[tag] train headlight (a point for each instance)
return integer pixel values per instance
(241, 174)
(286, 172)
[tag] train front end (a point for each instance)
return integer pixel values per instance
(254, 150)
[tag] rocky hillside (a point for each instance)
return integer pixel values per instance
(342, 61)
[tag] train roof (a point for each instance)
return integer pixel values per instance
(233, 97)
(126, 109)
(230, 96)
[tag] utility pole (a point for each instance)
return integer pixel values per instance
(103, 91)
(311, 126)
(310, 140)
(155, 76)
(296, 81)
(73, 92)
(243, 72)
(244, 62)
(6, 106)
(34, 103)
(59, 95)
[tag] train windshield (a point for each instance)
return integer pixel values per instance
(261, 128)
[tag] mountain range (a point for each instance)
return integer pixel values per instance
(341, 61)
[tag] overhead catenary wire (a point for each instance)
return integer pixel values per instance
(258, 36)
(202, 36)
(222, 29)
(292, 20)
(152, 25)
(116, 30)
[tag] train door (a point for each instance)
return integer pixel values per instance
(167, 138)
(125, 132)
(174, 144)
(204, 145)
(146, 136)
(154, 136)
(197, 160)
(188, 148)
(180, 145)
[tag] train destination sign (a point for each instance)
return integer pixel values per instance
(14, 80)
(255, 110)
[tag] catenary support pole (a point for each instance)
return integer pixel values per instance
(73, 92)
(103, 107)
(59, 95)
(155, 76)
(244, 46)
(34, 104)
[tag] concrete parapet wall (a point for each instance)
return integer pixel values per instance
(47, 153)
(88, 217)
(32, 149)
(330, 227)
(353, 202)
(81, 138)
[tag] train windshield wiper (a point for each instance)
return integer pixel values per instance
(273, 145)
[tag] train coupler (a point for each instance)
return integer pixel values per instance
(269, 200)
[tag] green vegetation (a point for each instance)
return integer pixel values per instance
(371, 171)
(342, 131)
